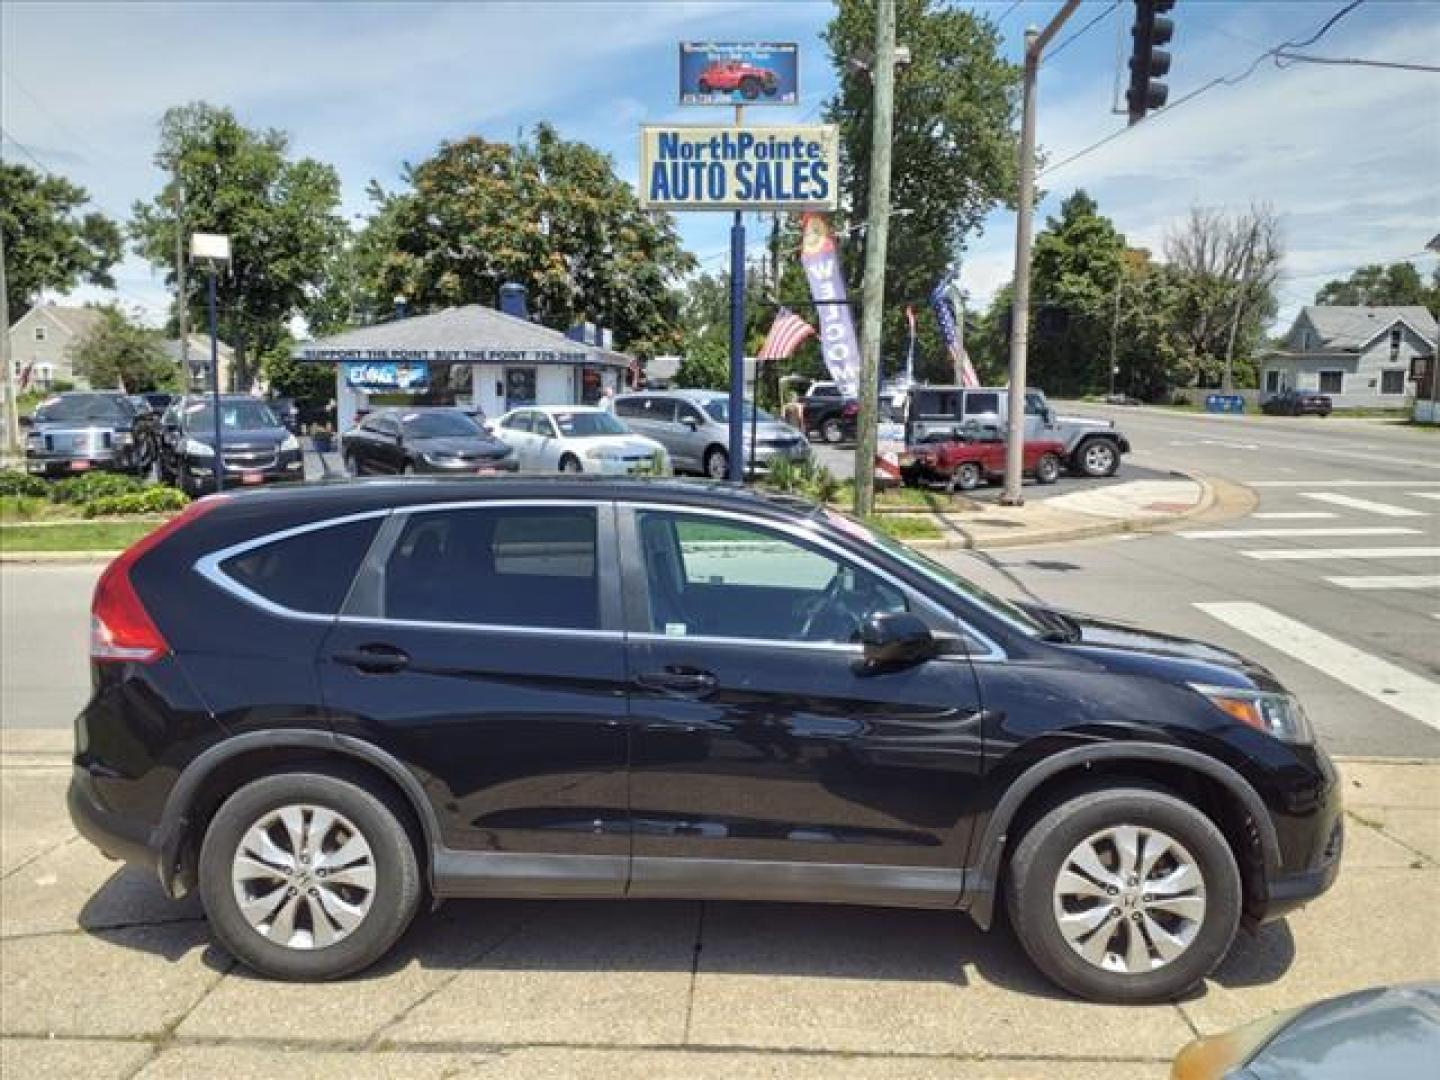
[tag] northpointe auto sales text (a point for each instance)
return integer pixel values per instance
(768, 169)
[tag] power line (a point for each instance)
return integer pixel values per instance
(1079, 33)
(23, 149)
(64, 128)
(1303, 59)
(1222, 80)
(1006, 14)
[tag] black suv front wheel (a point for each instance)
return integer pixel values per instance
(1125, 895)
(308, 875)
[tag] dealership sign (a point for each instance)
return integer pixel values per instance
(739, 73)
(388, 375)
(715, 167)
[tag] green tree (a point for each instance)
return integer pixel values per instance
(288, 377)
(1398, 284)
(545, 212)
(49, 242)
(280, 214)
(705, 366)
(118, 353)
(954, 149)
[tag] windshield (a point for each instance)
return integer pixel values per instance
(433, 425)
(580, 424)
(234, 415)
(939, 573)
(719, 411)
(107, 407)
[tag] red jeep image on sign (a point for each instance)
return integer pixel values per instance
(725, 76)
(974, 454)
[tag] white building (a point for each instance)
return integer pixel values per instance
(473, 356)
(1362, 357)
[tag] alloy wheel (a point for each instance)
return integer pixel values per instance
(1099, 459)
(304, 876)
(1129, 899)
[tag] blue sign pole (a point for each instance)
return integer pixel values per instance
(215, 386)
(737, 348)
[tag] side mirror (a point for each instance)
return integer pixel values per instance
(893, 639)
(691, 423)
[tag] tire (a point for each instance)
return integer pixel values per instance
(1047, 469)
(570, 464)
(388, 855)
(832, 430)
(771, 89)
(1097, 458)
(1194, 847)
(968, 476)
(749, 88)
(717, 464)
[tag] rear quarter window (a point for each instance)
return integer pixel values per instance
(310, 572)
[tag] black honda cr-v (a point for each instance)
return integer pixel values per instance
(315, 705)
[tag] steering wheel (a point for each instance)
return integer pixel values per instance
(833, 604)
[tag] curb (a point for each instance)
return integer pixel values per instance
(56, 557)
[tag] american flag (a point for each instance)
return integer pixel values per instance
(953, 332)
(786, 333)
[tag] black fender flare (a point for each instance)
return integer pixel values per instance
(983, 880)
(175, 820)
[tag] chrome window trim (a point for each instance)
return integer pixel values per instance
(480, 628)
(208, 566)
(993, 652)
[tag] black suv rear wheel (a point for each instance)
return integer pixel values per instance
(1124, 895)
(308, 875)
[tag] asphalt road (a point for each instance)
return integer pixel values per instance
(1333, 582)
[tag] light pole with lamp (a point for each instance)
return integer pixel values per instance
(213, 250)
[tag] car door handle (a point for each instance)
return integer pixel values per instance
(679, 681)
(373, 659)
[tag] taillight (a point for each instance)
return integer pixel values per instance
(850, 408)
(120, 627)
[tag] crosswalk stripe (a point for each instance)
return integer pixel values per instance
(1340, 483)
(1387, 683)
(1352, 503)
(1299, 554)
(1388, 581)
(1294, 515)
(1338, 530)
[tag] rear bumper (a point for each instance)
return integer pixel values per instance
(116, 835)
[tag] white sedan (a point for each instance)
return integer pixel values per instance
(577, 439)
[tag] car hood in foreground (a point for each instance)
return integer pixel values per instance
(1132, 649)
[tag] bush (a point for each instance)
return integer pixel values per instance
(154, 500)
(95, 485)
(806, 478)
(20, 507)
(13, 482)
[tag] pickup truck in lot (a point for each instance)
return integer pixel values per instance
(87, 430)
(1090, 447)
(974, 455)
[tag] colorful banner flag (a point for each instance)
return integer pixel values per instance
(821, 259)
(786, 333)
(948, 304)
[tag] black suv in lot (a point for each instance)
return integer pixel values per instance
(316, 704)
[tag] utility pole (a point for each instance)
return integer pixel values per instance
(1114, 336)
(1035, 42)
(182, 314)
(12, 407)
(877, 236)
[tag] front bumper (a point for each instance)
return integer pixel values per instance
(1286, 893)
(480, 466)
(765, 456)
(289, 465)
(71, 464)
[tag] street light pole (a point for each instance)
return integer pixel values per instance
(12, 407)
(877, 238)
(1035, 42)
(215, 383)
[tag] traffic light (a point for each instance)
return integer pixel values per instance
(1149, 62)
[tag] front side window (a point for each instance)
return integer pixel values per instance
(719, 410)
(710, 577)
(578, 425)
(501, 566)
(630, 407)
(310, 571)
(1332, 382)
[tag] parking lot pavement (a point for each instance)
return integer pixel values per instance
(101, 976)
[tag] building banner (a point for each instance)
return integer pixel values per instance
(382, 376)
(820, 257)
(739, 73)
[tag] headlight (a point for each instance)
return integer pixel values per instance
(290, 442)
(1278, 714)
(196, 448)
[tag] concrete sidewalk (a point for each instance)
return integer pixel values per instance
(101, 976)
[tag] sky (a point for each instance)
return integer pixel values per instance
(1348, 156)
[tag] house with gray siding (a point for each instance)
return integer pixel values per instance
(1362, 357)
(42, 344)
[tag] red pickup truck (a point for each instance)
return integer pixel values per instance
(974, 455)
(724, 76)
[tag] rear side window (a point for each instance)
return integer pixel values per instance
(935, 405)
(630, 407)
(309, 572)
(982, 404)
(517, 566)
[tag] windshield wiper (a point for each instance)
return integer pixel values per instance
(1058, 626)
